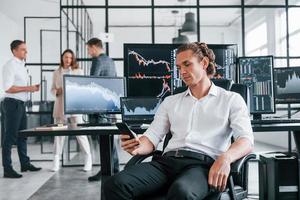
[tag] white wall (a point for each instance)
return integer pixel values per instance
(10, 30)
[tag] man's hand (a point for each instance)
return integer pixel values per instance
(136, 146)
(219, 172)
(58, 91)
(16, 89)
(34, 88)
(128, 144)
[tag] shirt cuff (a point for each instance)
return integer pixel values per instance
(251, 140)
(152, 137)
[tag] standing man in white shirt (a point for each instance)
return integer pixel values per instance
(15, 80)
(202, 121)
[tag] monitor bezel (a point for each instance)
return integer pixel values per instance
(285, 101)
(92, 77)
(272, 76)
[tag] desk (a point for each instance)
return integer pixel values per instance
(105, 134)
(294, 127)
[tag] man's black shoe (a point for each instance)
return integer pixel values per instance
(96, 177)
(11, 174)
(30, 167)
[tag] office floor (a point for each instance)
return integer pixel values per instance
(71, 182)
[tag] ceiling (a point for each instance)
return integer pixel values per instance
(29, 8)
(163, 2)
(140, 17)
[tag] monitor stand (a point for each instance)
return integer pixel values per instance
(257, 116)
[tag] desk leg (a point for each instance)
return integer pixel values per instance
(296, 135)
(289, 142)
(103, 180)
(106, 144)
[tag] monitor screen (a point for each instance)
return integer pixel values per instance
(150, 69)
(139, 108)
(226, 60)
(91, 94)
(287, 82)
(257, 74)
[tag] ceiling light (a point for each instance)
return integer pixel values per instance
(189, 26)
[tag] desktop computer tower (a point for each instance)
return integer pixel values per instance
(278, 177)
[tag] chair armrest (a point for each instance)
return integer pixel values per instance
(237, 165)
(139, 158)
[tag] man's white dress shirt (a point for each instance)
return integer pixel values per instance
(14, 73)
(205, 125)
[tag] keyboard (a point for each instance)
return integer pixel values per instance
(134, 125)
(138, 125)
(274, 121)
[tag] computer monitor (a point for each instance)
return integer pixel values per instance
(150, 69)
(92, 94)
(257, 74)
(226, 60)
(287, 83)
(139, 109)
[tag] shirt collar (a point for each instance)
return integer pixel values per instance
(18, 60)
(212, 90)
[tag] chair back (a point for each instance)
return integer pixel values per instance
(223, 83)
(241, 89)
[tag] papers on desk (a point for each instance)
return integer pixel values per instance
(52, 127)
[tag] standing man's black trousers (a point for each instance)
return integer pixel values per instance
(183, 178)
(14, 119)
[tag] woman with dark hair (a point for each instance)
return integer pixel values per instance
(68, 65)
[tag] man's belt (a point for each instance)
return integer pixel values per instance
(190, 154)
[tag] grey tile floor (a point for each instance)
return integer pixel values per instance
(71, 182)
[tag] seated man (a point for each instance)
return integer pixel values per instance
(202, 121)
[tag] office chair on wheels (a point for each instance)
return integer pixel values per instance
(237, 184)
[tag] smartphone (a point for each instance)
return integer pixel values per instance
(125, 129)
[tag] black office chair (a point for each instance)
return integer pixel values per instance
(223, 83)
(237, 185)
(241, 89)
